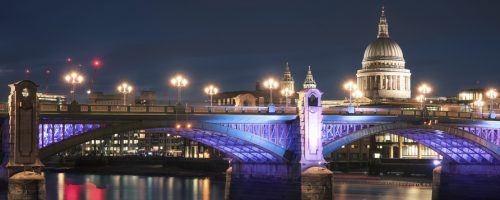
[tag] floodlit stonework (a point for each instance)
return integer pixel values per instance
(383, 74)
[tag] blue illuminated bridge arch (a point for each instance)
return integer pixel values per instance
(274, 138)
(457, 145)
(249, 139)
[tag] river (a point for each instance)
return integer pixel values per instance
(72, 186)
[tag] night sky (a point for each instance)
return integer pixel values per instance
(451, 45)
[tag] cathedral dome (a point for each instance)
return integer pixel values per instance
(383, 49)
(383, 52)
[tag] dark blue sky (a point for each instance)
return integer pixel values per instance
(450, 44)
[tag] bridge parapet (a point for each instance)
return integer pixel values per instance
(55, 108)
(158, 109)
(413, 113)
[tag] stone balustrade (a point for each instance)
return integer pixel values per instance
(54, 108)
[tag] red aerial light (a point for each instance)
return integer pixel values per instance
(97, 63)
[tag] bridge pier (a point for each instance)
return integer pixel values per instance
(455, 181)
(317, 183)
(278, 181)
(21, 165)
(263, 181)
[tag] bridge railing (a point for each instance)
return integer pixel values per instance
(54, 108)
(399, 112)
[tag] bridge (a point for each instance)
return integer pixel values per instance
(253, 134)
(284, 143)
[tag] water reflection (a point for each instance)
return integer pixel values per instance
(64, 186)
(67, 186)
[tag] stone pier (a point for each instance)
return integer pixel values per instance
(263, 181)
(454, 181)
(21, 166)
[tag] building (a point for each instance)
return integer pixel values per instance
(475, 100)
(360, 153)
(260, 96)
(146, 97)
(51, 98)
(383, 75)
(148, 144)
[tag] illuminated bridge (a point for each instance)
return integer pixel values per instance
(252, 134)
(263, 143)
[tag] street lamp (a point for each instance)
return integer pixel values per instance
(73, 78)
(179, 82)
(271, 84)
(479, 105)
(287, 92)
(421, 98)
(492, 94)
(211, 90)
(350, 86)
(125, 89)
(424, 89)
(357, 94)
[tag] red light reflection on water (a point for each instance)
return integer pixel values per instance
(73, 192)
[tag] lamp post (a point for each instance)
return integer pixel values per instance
(271, 84)
(350, 86)
(73, 78)
(125, 89)
(479, 106)
(179, 82)
(424, 89)
(492, 94)
(211, 90)
(420, 98)
(287, 92)
(357, 94)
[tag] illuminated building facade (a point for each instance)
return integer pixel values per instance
(148, 144)
(383, 74)
(381, 146)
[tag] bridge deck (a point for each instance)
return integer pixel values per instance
(46, 109)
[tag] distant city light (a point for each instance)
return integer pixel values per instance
(436, 162)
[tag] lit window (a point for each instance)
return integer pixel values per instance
(376, 155)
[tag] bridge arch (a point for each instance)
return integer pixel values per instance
(457, 145)
(239, 145)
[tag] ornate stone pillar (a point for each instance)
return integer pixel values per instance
(316, 179)
(21, 166)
